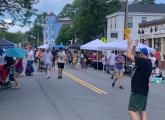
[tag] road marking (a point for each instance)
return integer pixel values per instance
(82, 82)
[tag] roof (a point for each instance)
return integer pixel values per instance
(5, 43)
(150, 8)
(51, 14)
(152, 23)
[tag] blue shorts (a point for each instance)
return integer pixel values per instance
(47, 65)
(19, 70)
(112, 67)
(119, 70)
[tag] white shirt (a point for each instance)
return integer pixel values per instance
(30, 55)
(153, 60)
(61, 57)
(48, 58)
(111, 59)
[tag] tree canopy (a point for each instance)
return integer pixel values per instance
(89, 17)
(66, 33)
(13, 37)
(19, 10)
(35, 34)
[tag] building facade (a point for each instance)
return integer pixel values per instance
(51, 29)
(153, 35)
(137, 14)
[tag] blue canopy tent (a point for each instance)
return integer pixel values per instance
(58, 46)
(4, 44)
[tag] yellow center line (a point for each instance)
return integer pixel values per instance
(93, 88)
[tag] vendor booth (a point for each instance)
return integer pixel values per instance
(4, 44)
(122, 45)
(95, 46)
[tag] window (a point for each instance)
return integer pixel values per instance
(130, 22)
(114, 35)
(150, 43)
(111, 23)
(115, 22)
(144, 19)
(157, 43)
(52, 27)
(52, 35)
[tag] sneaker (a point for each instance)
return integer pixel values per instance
(48, 77)
(112, 77)
(121, 87)
(59, 77)
(113, 84)
(17, 87)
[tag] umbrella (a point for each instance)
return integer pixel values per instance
(16, 52)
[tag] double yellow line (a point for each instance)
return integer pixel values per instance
(91, 87)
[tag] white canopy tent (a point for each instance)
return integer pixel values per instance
(93, 45)
(43, 46)
(122, 45)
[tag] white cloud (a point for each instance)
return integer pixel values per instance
(18, 28)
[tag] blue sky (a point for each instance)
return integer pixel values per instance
(51, 6)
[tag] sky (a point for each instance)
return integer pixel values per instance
(50, 6)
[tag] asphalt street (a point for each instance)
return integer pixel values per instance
(80, 95)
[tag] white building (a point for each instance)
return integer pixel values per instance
(138, 13)
(154, 36)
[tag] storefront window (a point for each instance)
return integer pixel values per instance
(157, 43)
(150, 43)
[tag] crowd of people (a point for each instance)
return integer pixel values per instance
(115, 63)
(46, 59)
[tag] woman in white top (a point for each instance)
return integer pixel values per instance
(47, 58)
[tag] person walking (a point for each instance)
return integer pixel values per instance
(30, 59)
(18, 69)
(139, 82)
(157, 56)
(119, 69)
(60, 60)
(111, 64)
(82, 60)
(153, 60)
(54, 53)
(47, 59)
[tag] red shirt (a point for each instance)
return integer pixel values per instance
(157, 55)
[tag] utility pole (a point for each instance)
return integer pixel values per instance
(126, 16)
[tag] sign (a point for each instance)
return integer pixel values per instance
(104, 40)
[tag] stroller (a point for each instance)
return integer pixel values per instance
(3, 75)
(41, 66)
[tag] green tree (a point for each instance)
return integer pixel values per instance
(66, 33)
(35, 34)
(67, 11)
(91, 17)
(13, 37)
(19, 10)
(144, 1)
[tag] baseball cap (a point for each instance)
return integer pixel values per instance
(144, 51)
